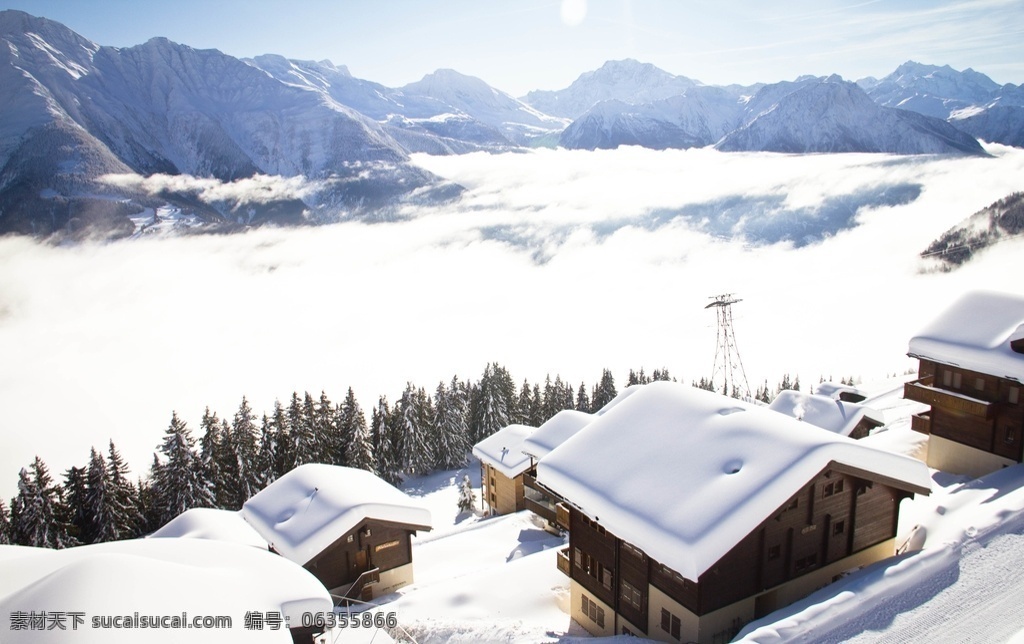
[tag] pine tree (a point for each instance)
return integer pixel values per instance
(415, 411)
(490, 403)
(209, 449)
(467, 498)
(582, 399)
(178, 481)
(451, 432)
(5, 524)
(245, 445)
(126, 513)
(524, 405)
(604, 391)
(300, 425)
(266, 453)
(360, 452)
(285, 455)
(80, 517)
(100, 526)
(350, 414)
(385, 445)
(37, 512)
(331, 442)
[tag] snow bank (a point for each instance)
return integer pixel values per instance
(154, 577)
(210, 523)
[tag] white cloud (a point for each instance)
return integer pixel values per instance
(103, 341)
(258, 189)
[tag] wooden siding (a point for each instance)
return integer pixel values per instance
(994, 424)
(832, 517)
(597, 549)
(386, 546)
(504, 495)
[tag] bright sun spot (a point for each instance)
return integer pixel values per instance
(573, 12)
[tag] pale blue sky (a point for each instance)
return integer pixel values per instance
(530, 44)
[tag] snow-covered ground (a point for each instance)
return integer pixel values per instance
(494, 579)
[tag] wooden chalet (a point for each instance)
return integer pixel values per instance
(840, 416)
(971, 373)
(349, 528)
(502, 469)
(692, 514)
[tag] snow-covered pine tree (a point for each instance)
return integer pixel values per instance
(582, 399)
(245, 445)
(178, 480)
(224, 489)
(300, 424)
(491, 402)
(536, 418)
(326, 427)
(209, 449)
(360, 444)
(525, 403)
(347, 419)
(100, 526)
(415, 412)
(467, 498)
(604, 391)
(285, 456)
(37, 510)
(660, 374)
(5, 524)
(79, 516)
(125, 504)
(266, 453)
(451, 431)
(384, 447)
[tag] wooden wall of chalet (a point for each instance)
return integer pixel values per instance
(1002, 434)
(386, 546)
(831, 518)
(504, 495)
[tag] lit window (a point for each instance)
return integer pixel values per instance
(1014, 396)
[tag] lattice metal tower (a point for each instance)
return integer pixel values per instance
(727, 356)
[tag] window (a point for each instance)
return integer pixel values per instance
(957, 380)
(806, 563)
(605, 576)
(947, 378)
(577, 557)
(632, 551)
(979, 384)
(631, 595)
(1014, 395)
(1010, 437)
(838, 528)
(832, 488)
(794, 503)
(593, 611)
(670, 623)
(774, 552)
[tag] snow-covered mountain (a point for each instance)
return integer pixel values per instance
(627, 81)
(73, 111)
(444, 113)
(970, 100)
(999, 221)
(700, 117)
(832, 115)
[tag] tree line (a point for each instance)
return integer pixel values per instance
(228, 460)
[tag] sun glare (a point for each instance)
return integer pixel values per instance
(574, 12)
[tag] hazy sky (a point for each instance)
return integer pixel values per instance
(545, 44)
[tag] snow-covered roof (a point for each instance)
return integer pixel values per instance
(312, 506)
(823, 411)
(555, 431)
(210, 523)
(835, 390)
(503, 450)
(975, 333)
(685, 474)
(155, 577)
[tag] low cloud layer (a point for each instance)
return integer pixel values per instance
(258, 189)
(549, 264)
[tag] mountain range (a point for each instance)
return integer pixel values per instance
(99, 140)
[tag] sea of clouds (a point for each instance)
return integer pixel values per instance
(553, 262)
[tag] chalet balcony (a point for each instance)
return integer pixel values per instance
(563, 561)
(922, 391)
(921, 423)
(562, 516)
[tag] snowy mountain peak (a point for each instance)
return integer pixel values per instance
(626, 80)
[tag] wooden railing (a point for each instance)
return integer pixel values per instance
(562, 516)
(921, 423)
(368, 578)
(921, 391)
(563, 561)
